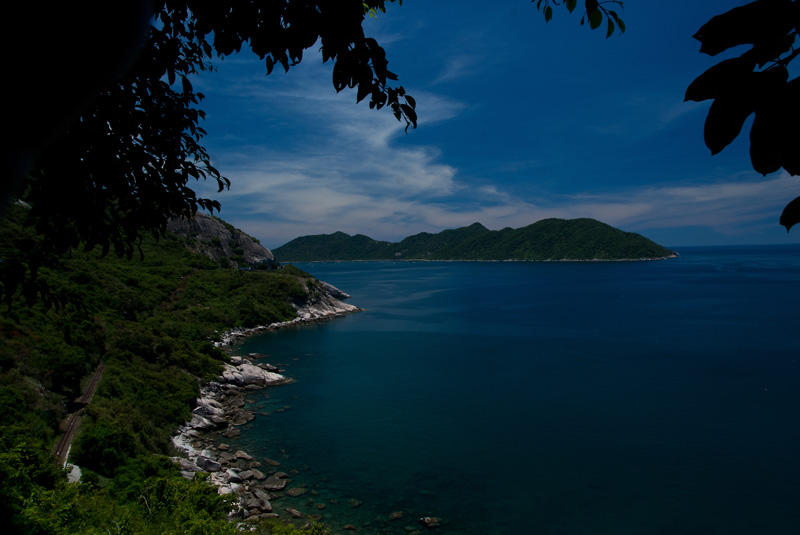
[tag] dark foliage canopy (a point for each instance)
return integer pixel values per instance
(124, 166)
(596, 11)
(114, 155)
(756, 82)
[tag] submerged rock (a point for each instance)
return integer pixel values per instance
(276, 481)
(430, 521)
(294, 512)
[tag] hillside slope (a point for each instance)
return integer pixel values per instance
(151, 323)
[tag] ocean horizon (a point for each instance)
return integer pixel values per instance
(570, 398)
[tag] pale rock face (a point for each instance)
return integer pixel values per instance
(326, 304)
(200, 423)
(334, 291)
(217, 241)
(209, 465)
(232, 477)
(249, 374)
(207, 407)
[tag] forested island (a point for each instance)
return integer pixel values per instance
(548, 239)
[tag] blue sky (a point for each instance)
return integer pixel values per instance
(519, 120)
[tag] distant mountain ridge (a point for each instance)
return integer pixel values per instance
(548, 239)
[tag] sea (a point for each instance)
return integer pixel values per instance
(652, 397)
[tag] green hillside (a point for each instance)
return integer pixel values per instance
(151, 322)
(339, 246)
(548, 239)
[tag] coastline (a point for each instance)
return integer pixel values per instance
(220, 410)
(674, 254)
(325, 306)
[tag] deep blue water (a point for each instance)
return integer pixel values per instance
(547, 398)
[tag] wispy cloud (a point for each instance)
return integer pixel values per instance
(336, 165)
(308, 206)
(456, 67)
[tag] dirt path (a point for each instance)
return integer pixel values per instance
(71, 425)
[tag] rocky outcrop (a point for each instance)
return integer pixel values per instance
(333, 291)
(219, 240)
(323, 302)
(248, 374)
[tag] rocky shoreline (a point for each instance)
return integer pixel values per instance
(328, 304)
(220, 410)
(255, 484)
(218, 413)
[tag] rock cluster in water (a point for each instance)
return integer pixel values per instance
(217, 414)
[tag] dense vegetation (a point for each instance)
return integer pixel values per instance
(548, 239)
(151, 322)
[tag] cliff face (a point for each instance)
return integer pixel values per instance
(219, 241)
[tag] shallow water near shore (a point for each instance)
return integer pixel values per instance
(551, 398)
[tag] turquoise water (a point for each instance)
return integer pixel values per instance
(546, 398)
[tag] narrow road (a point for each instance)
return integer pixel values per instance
(71, 425)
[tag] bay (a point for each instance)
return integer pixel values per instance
(568, 397)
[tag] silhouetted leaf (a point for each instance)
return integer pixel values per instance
(774, 138)
(791, 214)
(340, 77)
(765, 151)
(719, 79)
(187, 86)
(595, 18)
(725, 119)
(768, 50)
(571, 4)
(363, 91)
(409, 113)
(751, 23)
(610, 31)
(790, 135)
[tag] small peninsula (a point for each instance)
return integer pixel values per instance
(546, 240)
